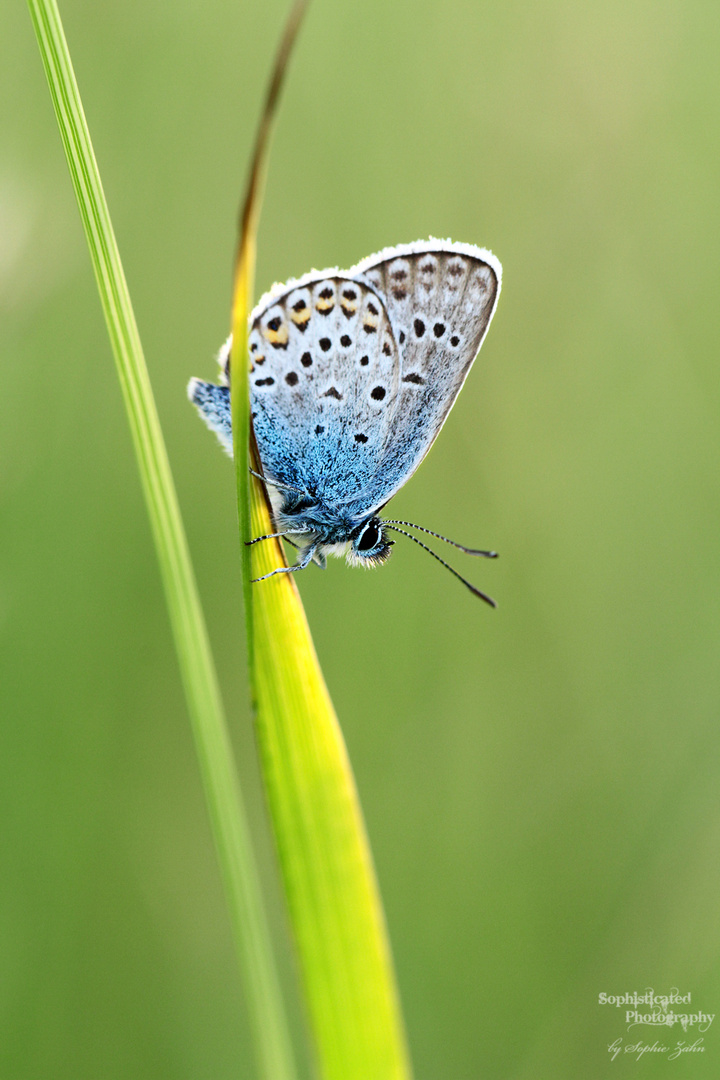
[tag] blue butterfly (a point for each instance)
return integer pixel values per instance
(353, 374)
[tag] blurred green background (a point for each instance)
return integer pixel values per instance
(541, 782)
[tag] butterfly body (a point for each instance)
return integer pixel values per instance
(353, 374)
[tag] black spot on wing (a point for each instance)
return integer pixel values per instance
(325, 300)
(348, 303)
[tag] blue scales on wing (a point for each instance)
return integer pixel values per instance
(324, 379)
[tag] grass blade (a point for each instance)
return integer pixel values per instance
(334, 904)
(188, 626)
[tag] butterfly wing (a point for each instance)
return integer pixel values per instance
(325, 371)
(440, 298)
(354, 372)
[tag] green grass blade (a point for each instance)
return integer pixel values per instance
(332, 893)
(330, 882)
(197, 668)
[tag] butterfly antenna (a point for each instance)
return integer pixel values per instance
(483, 596)
(439, 536)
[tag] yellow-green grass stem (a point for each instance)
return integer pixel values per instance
(330, 882)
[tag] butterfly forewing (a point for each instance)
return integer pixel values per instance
(324, 384)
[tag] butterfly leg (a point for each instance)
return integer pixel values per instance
(275, 484)
(319, 559)
(278, 536)
(268, 536)
(306, 557)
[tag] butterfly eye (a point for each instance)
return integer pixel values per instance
(369, 537)
(369, 546)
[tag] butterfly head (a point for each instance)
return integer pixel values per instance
(368, 544)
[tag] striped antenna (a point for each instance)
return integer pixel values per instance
(483, 596)
(439, 536)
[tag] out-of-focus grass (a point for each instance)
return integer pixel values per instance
(225, 804)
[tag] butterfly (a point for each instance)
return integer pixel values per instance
(352, 375)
